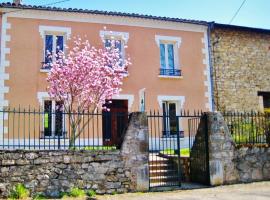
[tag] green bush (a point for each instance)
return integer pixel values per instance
(39, 196)
(76, 192)
(91, 193)
(19, 192)
(248, 131)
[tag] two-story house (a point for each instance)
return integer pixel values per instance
(170, 58)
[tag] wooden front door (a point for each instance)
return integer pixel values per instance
(114, 122)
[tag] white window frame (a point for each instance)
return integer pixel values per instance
(176, 42)
(114, 35)
(44, 96)
(54, 31)
(178, 100)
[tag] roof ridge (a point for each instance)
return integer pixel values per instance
(100, 12)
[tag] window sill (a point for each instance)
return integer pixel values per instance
(170, 77)
(45, 70)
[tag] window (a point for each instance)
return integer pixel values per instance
(53, 44)
(54, 39)
(265, 100)
(118, 45)
(53, 119)
(170, 120)
(120, 38)
(168, 47)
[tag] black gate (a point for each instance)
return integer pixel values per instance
(199, 153)
(171, 136)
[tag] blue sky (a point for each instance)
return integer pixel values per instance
(254, 13)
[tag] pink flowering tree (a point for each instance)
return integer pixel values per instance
(83, 79)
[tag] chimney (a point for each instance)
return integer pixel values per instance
(17, 2)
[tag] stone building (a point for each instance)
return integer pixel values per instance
(241, 64)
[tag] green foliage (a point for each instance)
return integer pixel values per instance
(248, 131)
(76, 192)
(91, 193)
(39, 196)
(114, 193)
(63, 194)
(19, 192)
(183, 152)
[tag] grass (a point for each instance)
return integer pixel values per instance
(19, 192)
(91, 193)
(183, 152)
(76, 192)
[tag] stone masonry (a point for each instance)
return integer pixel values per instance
(231, 164)
(241, 63)
(51, 172)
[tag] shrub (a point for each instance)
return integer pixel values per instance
(19, 192)
(76, 192)
(91, 193)
(39, 196)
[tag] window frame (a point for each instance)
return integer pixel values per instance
(64, 135)
(176, 42)
(114, 35)
(54, 45)
(52, 30)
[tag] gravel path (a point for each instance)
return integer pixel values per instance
(251, 191)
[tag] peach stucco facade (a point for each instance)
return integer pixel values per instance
(25, 44)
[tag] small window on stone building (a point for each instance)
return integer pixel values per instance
(266, 100)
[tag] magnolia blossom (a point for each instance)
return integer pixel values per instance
(86, 77)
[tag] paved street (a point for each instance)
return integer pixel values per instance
(252, 191)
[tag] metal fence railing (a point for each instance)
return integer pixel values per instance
(39, 129)
(248, 127)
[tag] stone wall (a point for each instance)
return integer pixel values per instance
(231, 164)
(51, 172)
(241, 63)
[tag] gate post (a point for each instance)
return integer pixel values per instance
(134, 151)
(221, 151)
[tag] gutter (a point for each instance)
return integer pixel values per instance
(210, 26)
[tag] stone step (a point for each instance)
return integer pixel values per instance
(166, 172)
(164, 179)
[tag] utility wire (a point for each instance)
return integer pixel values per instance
(236, 13)
(43, 5)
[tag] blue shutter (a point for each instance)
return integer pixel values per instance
(162, 56)
(170, 56)
(48, 48)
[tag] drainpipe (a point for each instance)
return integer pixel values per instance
(209, 28)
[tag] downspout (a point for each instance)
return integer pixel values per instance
(209, 27)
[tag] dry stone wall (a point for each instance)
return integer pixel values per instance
(51, 172)
(241, 63)
(231, 164)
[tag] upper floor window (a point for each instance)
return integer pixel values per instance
(53, 44)
(118, 39)
(169, 60)
(54, 39)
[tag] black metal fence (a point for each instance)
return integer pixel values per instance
(248, 127)
(39, 129)
(171, 136)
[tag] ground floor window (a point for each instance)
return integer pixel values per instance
(266, 100)
(53, 119)
(170, 119)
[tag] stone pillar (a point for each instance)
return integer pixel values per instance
(135, 151)
(221, 151)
